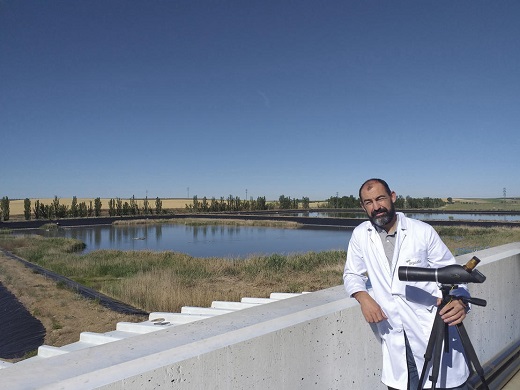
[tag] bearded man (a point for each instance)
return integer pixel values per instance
(403, 311)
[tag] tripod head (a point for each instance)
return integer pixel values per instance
(451, 274)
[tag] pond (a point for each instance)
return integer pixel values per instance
(207, 241)
(235, 241)
(424, 216)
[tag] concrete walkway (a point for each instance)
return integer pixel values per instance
(514, 383)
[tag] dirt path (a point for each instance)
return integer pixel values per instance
(63, 313)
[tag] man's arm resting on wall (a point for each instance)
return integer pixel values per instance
(369, 307)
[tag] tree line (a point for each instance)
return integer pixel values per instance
(234, 203)
(130, 207)
(401, 202)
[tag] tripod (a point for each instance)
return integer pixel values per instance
(440, 333)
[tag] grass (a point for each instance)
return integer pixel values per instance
(484, 204)
(166, 281)
(463, 240)
(211, 221)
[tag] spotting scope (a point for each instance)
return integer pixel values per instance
(451, 274)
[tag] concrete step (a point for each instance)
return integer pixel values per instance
(176, 318)
(156, 321)
(279, 296)
(209, 311)
(257, 300)
(232, 305)
(103, 338)
(141, 327)
(5, 364)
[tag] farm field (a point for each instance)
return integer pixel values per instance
(17, 206)
(459, 204)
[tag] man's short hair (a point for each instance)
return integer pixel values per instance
(374, 180)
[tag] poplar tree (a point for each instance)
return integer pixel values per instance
(111, 207)
(158, 206)
(4, 208)
(97, 207)
(37, 210)
(27, 208)
(74, 207)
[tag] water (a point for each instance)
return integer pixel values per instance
(208, 241)
(423, 216)
(464, 217)
(234, 241)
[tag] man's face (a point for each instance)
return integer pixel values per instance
(378, 204)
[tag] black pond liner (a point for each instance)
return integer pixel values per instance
(20, 332)
(86, 292)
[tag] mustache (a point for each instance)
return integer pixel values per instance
(380, 210)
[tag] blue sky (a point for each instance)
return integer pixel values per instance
(301, 98)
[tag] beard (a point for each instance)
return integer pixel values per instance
(383, 219)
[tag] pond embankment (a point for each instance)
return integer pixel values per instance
(316, 222)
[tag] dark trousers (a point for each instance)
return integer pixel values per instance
(413, 375)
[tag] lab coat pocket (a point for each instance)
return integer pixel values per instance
(415, 257)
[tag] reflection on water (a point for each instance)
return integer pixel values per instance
(421, 216)
(464, 217)
(230, 240)
(207, 241)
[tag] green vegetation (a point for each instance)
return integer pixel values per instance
(352, 202)
(211, 221)
(166, 281)
(488, 204)
(56, 210)
(463, 240)
(4, 208)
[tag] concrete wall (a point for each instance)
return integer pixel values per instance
(313, 341)
(497, 325)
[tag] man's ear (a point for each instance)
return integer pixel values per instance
(394, 197)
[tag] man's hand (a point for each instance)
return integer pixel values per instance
(454, 312)
(369, 307)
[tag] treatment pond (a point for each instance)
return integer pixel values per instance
(207, 241)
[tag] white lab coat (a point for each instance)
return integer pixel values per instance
(409, 306)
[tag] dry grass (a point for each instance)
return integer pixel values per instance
(63, 313)
(167, 281)
(467, 239)
(486, 204)
(212, 222)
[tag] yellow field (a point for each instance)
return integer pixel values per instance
(16, 206)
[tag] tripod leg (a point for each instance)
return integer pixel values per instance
(437, 353)
(472, 355)
(434, 346)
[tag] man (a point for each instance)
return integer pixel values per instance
(403, 311)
